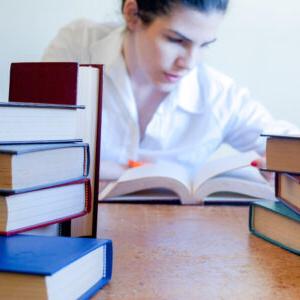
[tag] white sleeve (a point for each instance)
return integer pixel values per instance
(248, 119)
(70, 43)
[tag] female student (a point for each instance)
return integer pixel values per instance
(161, 101)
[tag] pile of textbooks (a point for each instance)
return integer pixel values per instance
(279, 222)
(45, 185)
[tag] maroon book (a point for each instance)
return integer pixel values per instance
(38, 207)
(44, 82)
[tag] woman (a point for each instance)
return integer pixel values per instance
(160, 100)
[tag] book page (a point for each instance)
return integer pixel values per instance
(159, 170)
(166, 175)
(222, 165)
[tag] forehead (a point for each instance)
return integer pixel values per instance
(189, 22)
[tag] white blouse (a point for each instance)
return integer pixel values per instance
(205, 110)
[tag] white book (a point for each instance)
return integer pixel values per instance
(35, 123)
(230, 174)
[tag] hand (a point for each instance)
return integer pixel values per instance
(260, 163)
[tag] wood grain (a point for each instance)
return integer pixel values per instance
(191, 252)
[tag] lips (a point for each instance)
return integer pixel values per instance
(171, 77)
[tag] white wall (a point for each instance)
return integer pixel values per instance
(258, 44)
(27, 26)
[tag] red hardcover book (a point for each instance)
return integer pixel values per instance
(50, 83)
(287, 189)
(34, 208)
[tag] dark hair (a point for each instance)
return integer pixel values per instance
(149, 9)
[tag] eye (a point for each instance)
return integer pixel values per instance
(207, 44)
(204, 46)
(175, 40)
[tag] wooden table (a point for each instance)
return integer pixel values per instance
(191, 252)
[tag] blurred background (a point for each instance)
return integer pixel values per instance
(258, 44)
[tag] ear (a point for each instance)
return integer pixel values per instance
(130, 12)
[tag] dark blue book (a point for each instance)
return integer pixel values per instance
(276, 223)
(39, 267)
(28, 166)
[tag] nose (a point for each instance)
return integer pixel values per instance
(188, 58)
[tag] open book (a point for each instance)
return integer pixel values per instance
(230, 174)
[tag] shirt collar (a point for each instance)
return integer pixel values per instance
(108, 50)
(187, 94)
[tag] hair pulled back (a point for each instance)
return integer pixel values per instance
(149, 9)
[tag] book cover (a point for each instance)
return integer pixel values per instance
(51, 267)
(36, 82)
(30, 209)
(275, 223)
(28, 166)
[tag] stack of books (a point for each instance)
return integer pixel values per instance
(44, 184)
(279, 222)
(54, 95)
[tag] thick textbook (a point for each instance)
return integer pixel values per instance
(34, 123)
(25, 210)
(288, 190)
(275, 223)
(36, 267)
(53, 83)
(26, 166)
(228, 174)
(282, 153)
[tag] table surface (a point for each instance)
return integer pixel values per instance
(192, 252)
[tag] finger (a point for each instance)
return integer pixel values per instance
(259, 163)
